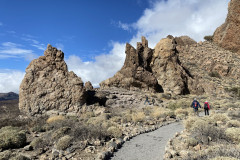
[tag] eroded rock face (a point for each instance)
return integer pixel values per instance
(167, 68)
(228, 34)
(136, 72)
(48, 85)
(153, 69)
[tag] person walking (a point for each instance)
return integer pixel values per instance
(196, 105)
(146, 100)
(206, 108)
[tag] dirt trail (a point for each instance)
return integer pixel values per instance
(148, 146)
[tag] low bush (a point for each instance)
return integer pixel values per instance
(214, 74)
(60, 132)
(220, 117)
(64, 142)
(138, 117)
(181, 111)
(39, 142)
(191, 142)
(158, 113)
(188, 123)
(12, 137)
(233, 123)
(114, 131)
(233, 134)
(208, 38)
(202, 131)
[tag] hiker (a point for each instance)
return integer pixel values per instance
(196, 105)
(153, 101)
(206, 108)
(147, 100)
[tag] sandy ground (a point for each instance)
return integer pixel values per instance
(148, 146)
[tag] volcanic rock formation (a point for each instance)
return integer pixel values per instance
(156, 69)
(228, 34)
(136, 72)
(48, 85)
(167, 69)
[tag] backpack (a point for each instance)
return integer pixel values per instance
(206, 106)
(195, 104)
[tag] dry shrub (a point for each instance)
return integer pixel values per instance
(116, 119)
(188, 123)
(180, 116)
(233, 134)
(202, 130)
(234, 113)
(220, 117)
(55, 119)
(84, 132)
(233, 123)
(87, 115)
(60, 132)
(191, 142)
(64, 142)
(12, 137)
(181, 111)
(39, 142)
(127, 117)
(5, 155)
(138, 117)
(158, 113)
(115, 132)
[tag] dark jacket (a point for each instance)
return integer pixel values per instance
(196, 104)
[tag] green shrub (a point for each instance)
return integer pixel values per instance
(64, 142)
(214, 74)
(12, 137)
(38, 142)
(209, 38)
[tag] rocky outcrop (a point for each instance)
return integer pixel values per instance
(167, 68)
(48, 85)
(228, 34)
(156, 69)
(88, 86)
(136, 73)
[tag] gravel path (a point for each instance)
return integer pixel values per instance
(148, 146)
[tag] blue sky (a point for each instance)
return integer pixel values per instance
(93, 33)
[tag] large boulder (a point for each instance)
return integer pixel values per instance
(167, 68)
(48, 85)
(228, 34)
(136, 72)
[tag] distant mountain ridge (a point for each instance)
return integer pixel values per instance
(8, 96)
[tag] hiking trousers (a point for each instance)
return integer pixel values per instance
(206, 111)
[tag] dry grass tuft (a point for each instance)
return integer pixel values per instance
(115, 132)
(54, 119)
(64, 142)
(138, 117)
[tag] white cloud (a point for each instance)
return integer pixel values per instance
(10, 80)
(104, 66)
(34, 42)
(124, 26)
(13, 50)
(195, 18)
(60, 46)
